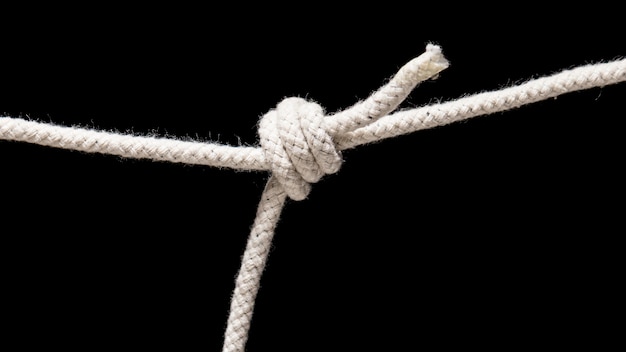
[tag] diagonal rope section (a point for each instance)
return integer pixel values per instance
(299, 144)
(408, 121)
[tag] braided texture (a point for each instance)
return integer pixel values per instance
(299, 144)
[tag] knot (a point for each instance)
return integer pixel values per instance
(297, 147)
(297, 139)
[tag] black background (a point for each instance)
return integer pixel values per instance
(501, 231)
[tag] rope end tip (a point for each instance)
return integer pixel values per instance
(433, 48)
(438, 60)
(424, 67)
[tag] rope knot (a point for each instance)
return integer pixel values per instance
(297, 147)
(300, 144)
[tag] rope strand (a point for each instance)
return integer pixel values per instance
(403, 122)
(128, 146)
(252, 265)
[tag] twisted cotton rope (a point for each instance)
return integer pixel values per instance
(299, 145)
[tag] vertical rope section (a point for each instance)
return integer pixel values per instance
(252, 266)
(297, 141)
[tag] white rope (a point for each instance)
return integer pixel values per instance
(298, 141)
(245, 158)
(403, 122)
(299, 145)
(159, 149)
(250, 158)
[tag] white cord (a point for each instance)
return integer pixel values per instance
(299, 145)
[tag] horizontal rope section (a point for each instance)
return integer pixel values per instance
(250, 158)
